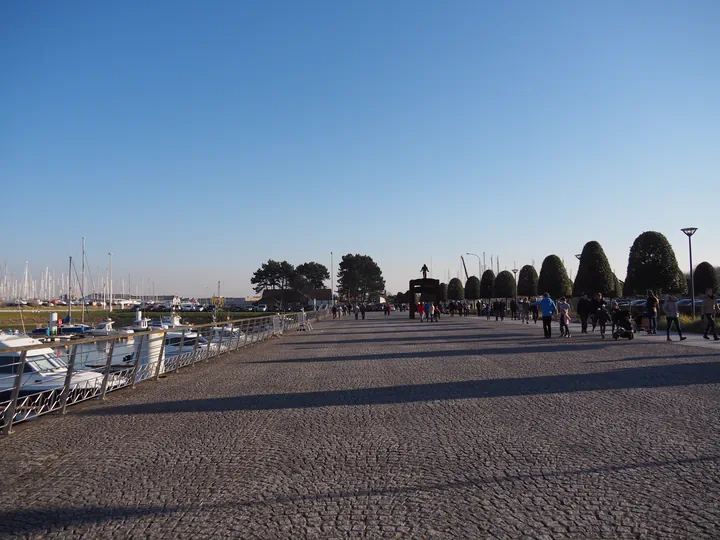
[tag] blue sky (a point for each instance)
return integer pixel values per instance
(197, 140)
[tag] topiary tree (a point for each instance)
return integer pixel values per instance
(472, 288)
(456, 290)
(505, 286)
(527, 284)
(400, 298)
(553, 278)
(594, 274)
(616, 291)
(652, 265)
(705, 278)
(487, 284)
(443, 293)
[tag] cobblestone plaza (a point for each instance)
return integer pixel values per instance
(387, 428)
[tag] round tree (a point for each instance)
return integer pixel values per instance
(652, 265)
(456, 290)
(472, 288)
(705, 278)
(553, 278)
(443, 293)
(594, 274)
(400, 298)
(527, 284)
(505, 286)
(487, 284)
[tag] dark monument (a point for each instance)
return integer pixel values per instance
(427, 287)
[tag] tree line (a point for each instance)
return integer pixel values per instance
(358, 276)
(652, 265)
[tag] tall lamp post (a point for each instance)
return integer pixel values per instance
(110, 254)
(515, 271)
(689, 231)
(332, 281)
(479, 263)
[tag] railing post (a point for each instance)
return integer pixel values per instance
(247, 333)
(222, 335)
(195, 348)
(137, 359)
(15, 394)
(68, 377)
(106, 374)
(209, 346)
(237, 345)
(180, 353)
(160, 356)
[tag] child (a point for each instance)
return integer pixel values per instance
(565, 320)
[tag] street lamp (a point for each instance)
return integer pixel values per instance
(689, 231)
(515, 271)
(110, 254)
(332, 281)
(479, 262)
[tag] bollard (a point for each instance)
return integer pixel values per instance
(68, 377)
(15, 394)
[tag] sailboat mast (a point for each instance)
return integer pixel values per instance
(70, 291)
(82, 286)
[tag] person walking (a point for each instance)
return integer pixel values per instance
(535, 310)
(428, 311)
(526, 311)
(421, 310)
(602, 318)
(478, 305)
(436, 313)
(671, 315)
(334, 312)
(548, 308)
(503, 308)
(652, 304)
(513, 309)
(356, 309)
(709, 310)
(564, 310)
(362, 311)
(583, 309)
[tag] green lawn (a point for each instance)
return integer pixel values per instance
(12, 318)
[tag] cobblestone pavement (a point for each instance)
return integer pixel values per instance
(387, 428)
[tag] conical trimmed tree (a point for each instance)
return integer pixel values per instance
(443, 293)
(553, 278)
(652, 265)
(505, 286)
(594, 274)
(456, 290)
(705, 278)
(487, 284)
(472, 288)
(527, 284)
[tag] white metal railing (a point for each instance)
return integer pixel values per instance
(35, 383)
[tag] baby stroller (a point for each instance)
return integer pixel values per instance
(623, 325)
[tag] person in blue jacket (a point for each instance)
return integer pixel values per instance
(548, 308)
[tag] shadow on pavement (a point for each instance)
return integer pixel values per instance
(34, 520)
(621, 379)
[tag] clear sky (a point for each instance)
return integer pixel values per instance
(195, 140)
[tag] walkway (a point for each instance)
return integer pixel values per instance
(387, 428)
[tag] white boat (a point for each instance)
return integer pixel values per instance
(167, 322)
(140, 324)
(174, 340)
(105, 328)
(43, 369)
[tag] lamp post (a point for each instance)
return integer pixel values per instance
(332, 281)
(689, 231)
(515, 271)
(479, 262)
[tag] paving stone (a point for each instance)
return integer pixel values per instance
(387, 428)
